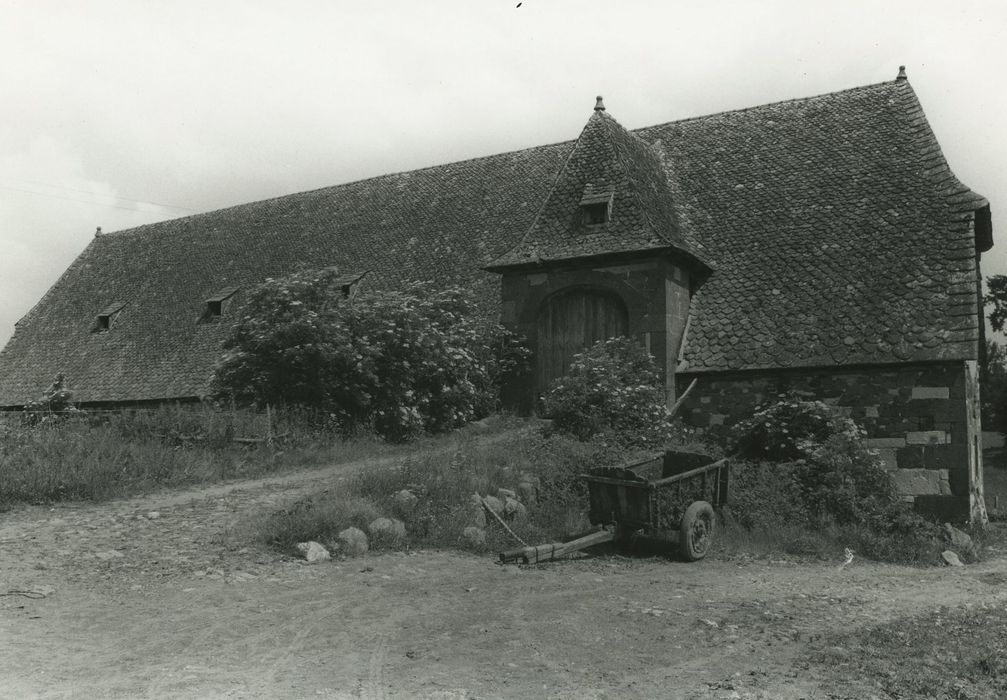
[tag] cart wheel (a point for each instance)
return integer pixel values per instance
(696, 531)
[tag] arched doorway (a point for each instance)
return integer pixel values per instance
(570, 321)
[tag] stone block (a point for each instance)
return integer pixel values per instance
(717, 418)
(886, 442)
(943, 508)
(871, 411)
(917, 482)
(538, 278)
(928, 437)
(888, 457)
(910, 457)
(931, 392)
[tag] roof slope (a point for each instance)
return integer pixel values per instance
(836, 231)
(435, 224)
(606, 160)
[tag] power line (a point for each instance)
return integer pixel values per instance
(76, 189)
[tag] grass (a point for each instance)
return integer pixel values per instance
(954, 653)
(444, 484)
(103, 455)
(770, 515)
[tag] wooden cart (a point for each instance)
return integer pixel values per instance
(670, 497)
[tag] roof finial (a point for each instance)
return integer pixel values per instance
(902, 73)
(97, 232)
(599, 106)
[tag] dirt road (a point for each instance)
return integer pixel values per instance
(160, 597)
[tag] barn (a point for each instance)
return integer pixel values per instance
(820, 246)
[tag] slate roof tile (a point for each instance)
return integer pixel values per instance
(823, 219)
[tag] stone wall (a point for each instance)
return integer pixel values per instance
(916, 416)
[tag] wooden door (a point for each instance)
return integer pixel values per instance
(570, 321)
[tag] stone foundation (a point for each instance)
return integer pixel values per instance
(916, 416)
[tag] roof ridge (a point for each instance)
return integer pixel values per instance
(340, 185)
(554, 144)
(767, 104)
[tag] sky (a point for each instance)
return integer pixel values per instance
(121, 113)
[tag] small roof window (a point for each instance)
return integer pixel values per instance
(214, 308)
(348, 284)
(103, 321)
(596, 205)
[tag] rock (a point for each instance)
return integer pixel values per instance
(950, 558)
(494, 504)
(387, 529)
(477, 514)
(514, 508)
(153, 515)
(527, 491)
(482, 425)
(110, 554)
(313, 552)
(959, 541)
(352, 542)
(405, 501)
(504, 494)
(474, 535)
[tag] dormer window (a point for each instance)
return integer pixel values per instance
(348, 284)
(596, 206)
(103, 322)
(216, 304)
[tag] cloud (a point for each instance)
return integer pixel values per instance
(50, 209)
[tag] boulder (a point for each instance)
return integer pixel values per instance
(313, 552)
(959, 541)
(514, 509)
(504, 494)
(477, 514)
(405, 501)
(388, 529)
(527, 491)
(352, 542)
(494, 504)
(474, 536)
(950, 558)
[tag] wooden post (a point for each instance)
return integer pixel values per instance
(547, 552)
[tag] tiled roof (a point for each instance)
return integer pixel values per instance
(835, 230)
(436, 224)
(606, 164)
(838, 232)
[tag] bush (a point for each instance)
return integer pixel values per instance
(55, 403)
(397, 363)
(611, 389)
(805, 465)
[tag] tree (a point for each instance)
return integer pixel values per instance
(397, 363)
(993, 387)
(993, 361)
(996, 297)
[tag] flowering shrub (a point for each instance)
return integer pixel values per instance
(786, 430)
(397, 363)
(803, 463)
(56, 402)
(611, 388)
(839, 477)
